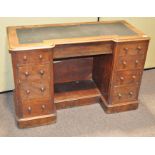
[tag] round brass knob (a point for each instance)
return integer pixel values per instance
(27, 74)
(25, 58)
(29, 109)
(126, 49)
(43, 107)
(42, 89)
(131, 93)
(119, 95)
(40, 57)
(41, 72)
(28, 92)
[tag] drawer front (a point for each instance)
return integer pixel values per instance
(34, 90)
(39, 56)
(130, 62)
(36, 109)
(127, 77)
(138, 48)
(32, 73)
(125, 94)
(82, 49)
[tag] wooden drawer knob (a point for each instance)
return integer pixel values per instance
(41, 72)
(126, 49)
(43, 107)
(124, 63)
(42, 89)
(122, 78)
(40, 57)
(139, 48)
(133, 77)
(26, 74)
(131, 93)
(27, 92)
(119, 95)
(137, 62)
(19, 82)
(25, 58)
(29, 109)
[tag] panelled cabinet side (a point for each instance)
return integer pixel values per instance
(16, 90)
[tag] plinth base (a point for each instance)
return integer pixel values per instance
(36, 121)
(114, 108)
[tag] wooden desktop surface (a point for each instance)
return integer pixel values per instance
(47, 36)
(39, 34)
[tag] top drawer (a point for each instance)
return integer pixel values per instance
(82, 49)
(37, 56)
(132, 48)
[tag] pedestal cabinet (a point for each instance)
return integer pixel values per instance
(34, 91)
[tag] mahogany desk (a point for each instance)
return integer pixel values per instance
(66, 65)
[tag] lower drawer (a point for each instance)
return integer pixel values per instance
(34, 90)
(36, 108)
(125, 94)
(34, 72)
(127, 77)
(130, 62)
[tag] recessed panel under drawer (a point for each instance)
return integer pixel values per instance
(75, 69)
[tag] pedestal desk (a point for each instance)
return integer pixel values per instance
(65, 65)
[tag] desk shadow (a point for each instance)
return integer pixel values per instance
(10, 104)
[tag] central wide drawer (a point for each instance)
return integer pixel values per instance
(82, 49)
